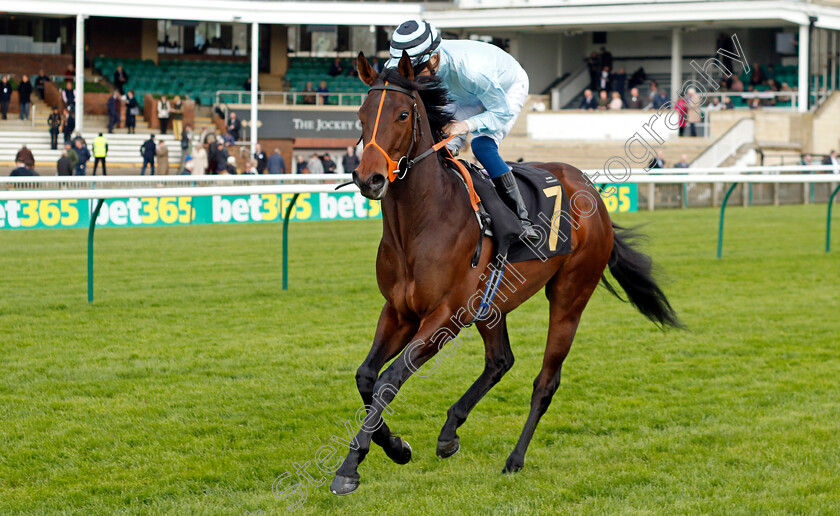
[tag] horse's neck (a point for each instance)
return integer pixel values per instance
(426, 199)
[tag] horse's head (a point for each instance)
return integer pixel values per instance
(390, 127)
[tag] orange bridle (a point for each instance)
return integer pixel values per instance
(398, 169)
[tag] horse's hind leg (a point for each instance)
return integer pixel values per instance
(568, 293)
(498, 359)
(391, 337)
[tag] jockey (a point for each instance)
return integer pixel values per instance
(487, 87)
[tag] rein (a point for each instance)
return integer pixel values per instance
(398, 169)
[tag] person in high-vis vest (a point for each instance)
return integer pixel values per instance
(100, 151)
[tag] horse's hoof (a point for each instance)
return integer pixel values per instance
(446, 449)
(512, 466)
(401, 456)
(342, 485)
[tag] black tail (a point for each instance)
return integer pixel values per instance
(633, 271)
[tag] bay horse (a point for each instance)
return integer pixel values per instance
(424, 272)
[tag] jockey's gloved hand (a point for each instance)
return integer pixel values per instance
(456, 128)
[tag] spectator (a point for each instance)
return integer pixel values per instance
(328, 163)
(594, 66)
(653, 92)
(162, 158)
(377, 66)
(227, 139)
(737, 85)
(120, 78)
(635, 101)
(25, 156)
(250, 168)
(113, 112)
(231, 166)
(605, 81)
(335, 68)
(682, 109)
(755, 103)
(715, 105)
(620, 82)
(588, 101)
(831, 159)
(5, 95)
(638, 77)
(69, 125)
(84, 156)
(323, 99)
(247, 84)
(100, 152)
(163, 109)
(539, 106)
(756, 77)
(64, 166)
(177, 117)
(308, 99)
(695, 114)
(314, 165)
(74, 157)
(276, 163)
(148, 150)
(234, 126)
(23, 169)
(40, 82)
(186, 147)
(350, 161)
(660, 99)
(683, 162)
(68, 96)
(199, 159)
(606, 58)
(603, 100)
(616, 102)
(302, 165)
(54, 123)
(24, 97)
(806, 160)
(727, 103)
(132, 109)
(658, 161)
(221, 156)
(771, 73)
(261, 160)
(69, 72)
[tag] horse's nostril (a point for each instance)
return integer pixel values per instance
(376, 181)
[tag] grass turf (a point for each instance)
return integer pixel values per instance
(194, 380)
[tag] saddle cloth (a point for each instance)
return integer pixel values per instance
(548, 210)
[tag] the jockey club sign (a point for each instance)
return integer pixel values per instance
(285, 124)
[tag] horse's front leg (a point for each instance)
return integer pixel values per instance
(392, 334)
(434, 332)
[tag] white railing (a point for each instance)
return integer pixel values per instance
(567, 90)
(727, 145)
(287, 97)
(782, 96)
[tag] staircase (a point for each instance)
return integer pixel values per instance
(123, 150)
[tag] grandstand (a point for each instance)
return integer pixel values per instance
(208, 54)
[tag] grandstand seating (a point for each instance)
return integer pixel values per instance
(316, 69)
(198, 80)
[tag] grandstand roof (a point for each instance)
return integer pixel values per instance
(516, 14)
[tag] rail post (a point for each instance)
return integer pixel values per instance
(722, 213)
(828, 221)
(286, 242)
(93, 218)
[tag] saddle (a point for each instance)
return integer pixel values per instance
(548, 209)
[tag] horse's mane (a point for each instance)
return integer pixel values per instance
(433, 94)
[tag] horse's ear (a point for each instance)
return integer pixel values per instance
(405, 68)
(366, 72)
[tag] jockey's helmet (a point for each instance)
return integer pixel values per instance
(417, 37)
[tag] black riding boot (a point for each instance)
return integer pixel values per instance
(507, 187)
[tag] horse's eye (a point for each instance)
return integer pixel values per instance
(403, 116)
